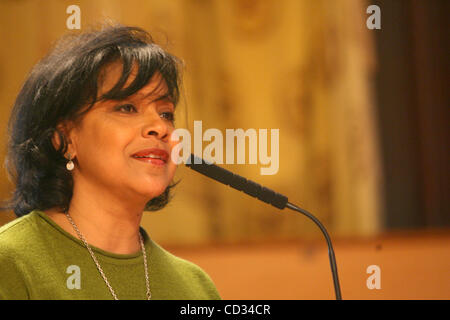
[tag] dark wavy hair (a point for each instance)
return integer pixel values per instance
(57, 89)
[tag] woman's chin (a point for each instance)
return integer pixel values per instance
(149, 187)
(152, 191)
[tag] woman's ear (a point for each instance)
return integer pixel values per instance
(56, 139)
(62, 134)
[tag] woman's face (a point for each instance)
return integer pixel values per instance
(106, 141)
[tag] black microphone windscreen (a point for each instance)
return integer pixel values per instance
(236, 181)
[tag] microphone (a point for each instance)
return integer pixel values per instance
(264, 194)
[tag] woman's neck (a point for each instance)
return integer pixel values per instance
(113, 227)
(103, 235)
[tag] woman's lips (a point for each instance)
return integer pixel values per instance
(157, 162)
(160, 156)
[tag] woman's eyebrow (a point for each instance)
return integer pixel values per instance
(165, 96)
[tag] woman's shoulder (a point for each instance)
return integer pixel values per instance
(186, 272)
(16, 247)
(166, 258)
(14, 229)
(19, 234)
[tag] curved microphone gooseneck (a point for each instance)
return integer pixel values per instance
(264, 194)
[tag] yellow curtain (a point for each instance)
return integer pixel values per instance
(303, 67)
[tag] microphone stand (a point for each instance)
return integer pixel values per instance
(264, 194)
(337, 288)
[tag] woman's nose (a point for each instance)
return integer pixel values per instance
(155, 126)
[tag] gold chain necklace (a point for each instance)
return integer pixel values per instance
(149, 294)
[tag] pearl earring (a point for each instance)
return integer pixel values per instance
(70, 164)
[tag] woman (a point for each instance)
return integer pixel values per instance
(89, 151)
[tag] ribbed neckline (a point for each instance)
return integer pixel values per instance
(106, 254)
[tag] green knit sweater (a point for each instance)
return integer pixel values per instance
(40, 260)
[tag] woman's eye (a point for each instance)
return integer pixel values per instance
(169, 116)
(127, 108)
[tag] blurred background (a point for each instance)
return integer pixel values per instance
(363, 130)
